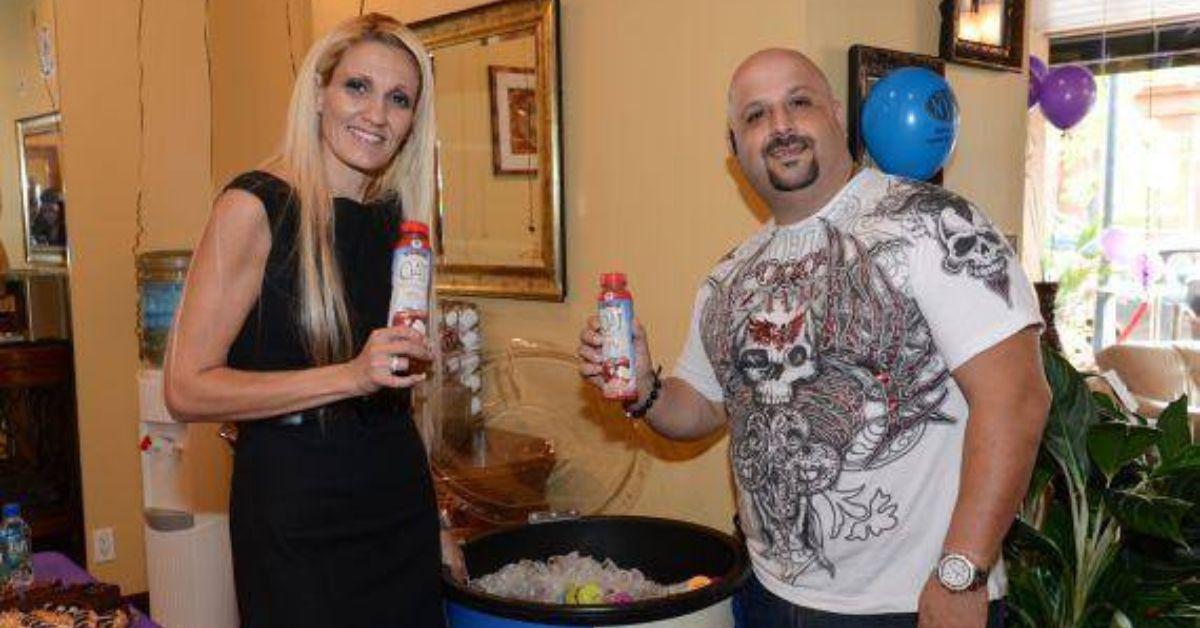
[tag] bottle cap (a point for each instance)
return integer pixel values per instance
(612, 281)
(415, 226)
(11, 510)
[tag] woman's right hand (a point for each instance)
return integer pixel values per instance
(387, 358)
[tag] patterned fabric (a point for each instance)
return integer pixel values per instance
(831, 343)
(64, 617)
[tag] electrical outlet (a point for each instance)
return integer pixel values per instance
(104, 545)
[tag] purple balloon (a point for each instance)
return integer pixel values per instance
(1147, 269)
(1037, 74)
(1119, 246)
(1067, 94)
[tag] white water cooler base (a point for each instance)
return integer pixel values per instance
(191, 575)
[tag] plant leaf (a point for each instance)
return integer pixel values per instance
(1113, 445)
(1186, 460)
(1072, 413)
(1160, 517)
(1173, 422)
(1038, 481)
(1117, 582)
(1119, 620)
(1156, 563)
(1153, 607)
(1031, 601)
(1191, 591)
(1108, 408)
(1032, 545)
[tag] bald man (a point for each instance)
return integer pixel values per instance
(874, 352)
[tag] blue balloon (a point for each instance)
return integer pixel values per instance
(910, 122)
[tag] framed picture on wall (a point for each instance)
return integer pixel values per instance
(43, 197)
(868, 65)
(514, 119)
(984, 33)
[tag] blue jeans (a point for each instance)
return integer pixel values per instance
(756, 607)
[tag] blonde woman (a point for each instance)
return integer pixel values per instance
(333, 517)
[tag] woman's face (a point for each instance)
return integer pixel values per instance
(367, 107)
(52, 210)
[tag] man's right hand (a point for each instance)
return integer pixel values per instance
(591, 359)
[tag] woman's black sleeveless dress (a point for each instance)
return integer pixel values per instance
(333, 520)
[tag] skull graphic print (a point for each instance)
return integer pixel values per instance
(830, 344)
(832, 370)
(969, 239)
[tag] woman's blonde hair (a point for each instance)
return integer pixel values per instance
(410, 176)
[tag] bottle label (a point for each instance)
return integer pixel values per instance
(410, 285)
(619, 360)
(14, 549)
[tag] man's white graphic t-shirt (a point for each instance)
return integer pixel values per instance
(831, 343)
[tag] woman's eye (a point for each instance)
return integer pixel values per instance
(400, 99)
(358, 86)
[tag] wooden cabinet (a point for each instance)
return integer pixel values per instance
(39, 443)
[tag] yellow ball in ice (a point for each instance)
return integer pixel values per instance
(589, 593)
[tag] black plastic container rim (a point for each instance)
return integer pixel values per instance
(642, 611)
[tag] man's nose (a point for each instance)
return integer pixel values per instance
(781, 122)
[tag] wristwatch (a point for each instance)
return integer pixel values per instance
(958, 573)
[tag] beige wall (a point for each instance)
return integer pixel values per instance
(649, 187)
(23, 93)
(98, 54)
(256, 44)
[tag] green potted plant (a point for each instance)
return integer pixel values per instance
(1109, 534)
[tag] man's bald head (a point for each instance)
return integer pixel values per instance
(787, 131)
(774, 60)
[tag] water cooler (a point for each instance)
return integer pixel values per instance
(184, 477)
(188, 560)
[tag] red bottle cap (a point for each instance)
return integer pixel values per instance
(612, 281)
(415, 227)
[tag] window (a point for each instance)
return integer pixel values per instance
(1120, 193)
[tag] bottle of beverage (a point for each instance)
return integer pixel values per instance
(411, 278)
(616, 328)
(4, 570)
(17, 539)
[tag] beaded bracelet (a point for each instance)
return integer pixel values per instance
(637, 411)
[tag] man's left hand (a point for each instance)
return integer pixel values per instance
(941, 608)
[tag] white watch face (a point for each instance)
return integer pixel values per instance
(956, 572)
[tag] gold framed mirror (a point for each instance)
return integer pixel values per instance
(499, 202)
(43, 204)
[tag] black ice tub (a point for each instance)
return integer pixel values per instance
(664, 550)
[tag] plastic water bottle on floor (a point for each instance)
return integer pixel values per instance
(16, 539)
(3, 562)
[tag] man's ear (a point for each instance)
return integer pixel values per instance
(839, 113)
(732, 143)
